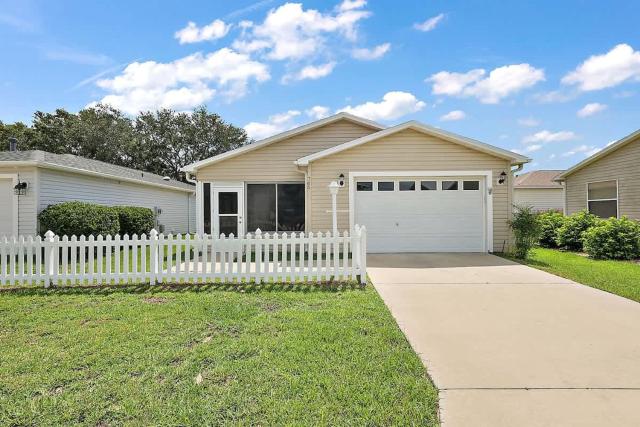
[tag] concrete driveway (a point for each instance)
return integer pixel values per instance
(508, 345)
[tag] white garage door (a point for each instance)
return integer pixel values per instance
(422, 214)
(6, 207)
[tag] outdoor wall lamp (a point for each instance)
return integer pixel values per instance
(341, 180)
(20, 189)
(503, 178)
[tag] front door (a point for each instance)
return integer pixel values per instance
(227, 211)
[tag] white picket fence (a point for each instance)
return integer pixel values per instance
(258, 257)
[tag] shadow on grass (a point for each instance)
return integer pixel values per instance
(139, 288)
(529, 261)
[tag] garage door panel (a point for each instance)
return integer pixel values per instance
(422, 221)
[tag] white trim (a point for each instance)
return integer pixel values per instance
(15, 200)
(605, 151)
(199, 207)
(193, 167)
(47, 165)
(488, 195)
(420, 127)
(617, 199)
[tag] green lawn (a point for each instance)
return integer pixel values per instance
(207, 355)
(618, 277)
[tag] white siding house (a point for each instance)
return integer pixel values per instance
(53, 178)
(539, 190)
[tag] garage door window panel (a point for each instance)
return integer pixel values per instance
(407, 186)
(428, 185)
(386, 186)
(602, 198)
(450, 185)
(364, 186)
(471, 185)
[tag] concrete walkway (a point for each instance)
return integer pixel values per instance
(508, 345)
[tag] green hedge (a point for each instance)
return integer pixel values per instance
(550, 223)
(135, 220)
(570, 234)
(613, 239)
(79, 218)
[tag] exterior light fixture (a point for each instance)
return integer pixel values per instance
(20, 189)
(503, 178)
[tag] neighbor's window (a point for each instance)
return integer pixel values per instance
(275, 207)
(364, 186)
(407, 185)
(602, 198)
(471, 185)
(449, 185)
(386, 186)
(428, 185)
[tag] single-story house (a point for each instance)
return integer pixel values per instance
(607, 184)
(32, 180)
(539, 190)
(416, 188)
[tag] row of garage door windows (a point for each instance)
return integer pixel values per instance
(411, 185)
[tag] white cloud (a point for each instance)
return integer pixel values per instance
(528, 122)
(453, 115)
(588, 150)
(290, 32)
(618, 65)
(392, 106)
(183, 83)
(310, 72)
(318, 112)
(545, 136)
(376, 52)
(591, 109)
(429, 24)
(499, 83)
(193, 34)
(533, 147)
(277, 123)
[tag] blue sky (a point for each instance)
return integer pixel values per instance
(554, 80)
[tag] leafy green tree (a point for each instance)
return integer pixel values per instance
(526, 230)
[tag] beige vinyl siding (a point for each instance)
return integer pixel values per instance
(622, 164)
(404, 151)
(274, 162)
(27, 204)
(541, 199)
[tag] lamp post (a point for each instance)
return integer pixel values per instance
(333, 189)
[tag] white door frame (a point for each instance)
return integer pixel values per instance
(217, 187)
(14, 201)
(488, 194)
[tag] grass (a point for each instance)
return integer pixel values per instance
(207, 355)
(618, 277)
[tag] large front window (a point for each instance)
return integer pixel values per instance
(275, 207)
(602, 198)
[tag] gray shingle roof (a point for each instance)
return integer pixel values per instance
(83, 164)
(538, 179)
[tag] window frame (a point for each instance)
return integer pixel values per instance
(471, 180)
(407, 181)
(617, 199)
(373, 186)
(457, 181)
(377, 189)
(430, 180)
(246, 205)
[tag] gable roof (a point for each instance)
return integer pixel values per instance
(82, 165)
(605, 151)
(282, 136)
(538, 179)
(419, 127)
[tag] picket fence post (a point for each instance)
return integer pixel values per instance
(153, 237)
(49, 259)
(363, 256)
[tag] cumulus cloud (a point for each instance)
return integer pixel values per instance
(617, 66)
(310, 72)
(545, 137)
(489, 89)
(392, 106)
(290, 32)
(429, 24)
(194, 34)
(591, 109)
(453, 116)
(528, 122)
(183, 83)
(317, 112)
(376, 52)
(276, 124)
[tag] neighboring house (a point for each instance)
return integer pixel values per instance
(539, 190)
(415, 188)
(56, 178)
(607, 183)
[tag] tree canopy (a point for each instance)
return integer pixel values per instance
(160, 142)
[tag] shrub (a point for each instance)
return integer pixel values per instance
(570, 233)
(78, 218)
(526, 230)
(550, 223)
(135, 220)
(613, 239)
